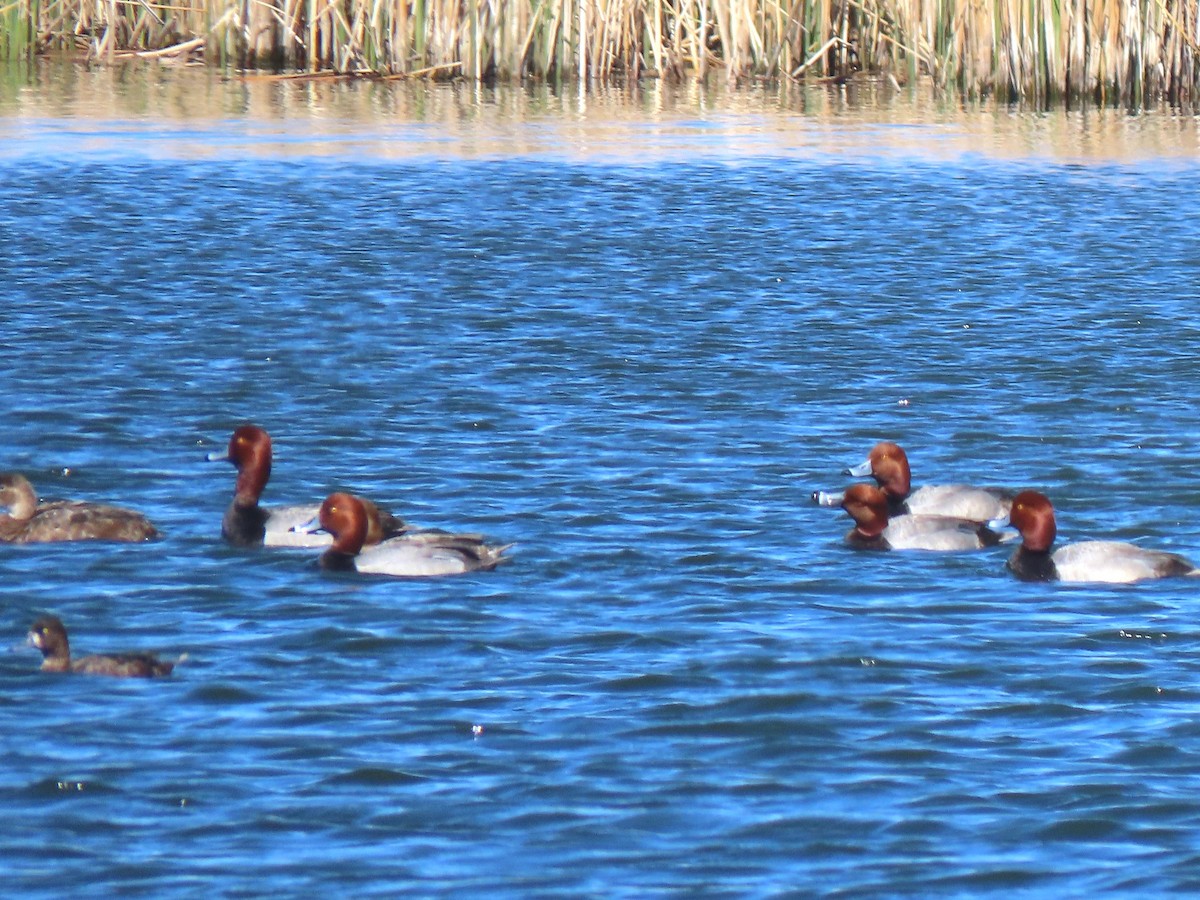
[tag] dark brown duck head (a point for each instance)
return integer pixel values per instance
(49, 636)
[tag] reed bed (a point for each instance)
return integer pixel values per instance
(1131, 52)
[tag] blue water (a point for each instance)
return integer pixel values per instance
(684, 684)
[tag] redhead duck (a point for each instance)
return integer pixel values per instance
(413, 555)
(29, 522)
(888, 465)
(246, 524)
(49, 636)
(1113, 562)
(868, 506)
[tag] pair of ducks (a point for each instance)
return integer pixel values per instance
(958, 517)
(359, 536)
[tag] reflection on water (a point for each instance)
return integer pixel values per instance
(196, 112)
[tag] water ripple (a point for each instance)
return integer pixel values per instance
(683, 682)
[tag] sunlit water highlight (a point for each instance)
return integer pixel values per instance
(636, 363)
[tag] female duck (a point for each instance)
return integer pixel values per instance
(868, 506)
(29, 522)
(49, 636)
(413, 555)
(888, 465)
(1113, 562)
(246, 524)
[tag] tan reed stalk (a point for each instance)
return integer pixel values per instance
(653, 30)
(689, 51)
(608, 38)
(547, 38)
(523, 57)
(1183, 51)
(594, 36)
(420, 31)
(498, 46)
(473, 69)
(562, 55)
(751, 36)
(528, 48)
(718, 21)
(398, 39)
(776, 29)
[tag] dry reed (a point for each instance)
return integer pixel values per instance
(1039, 51)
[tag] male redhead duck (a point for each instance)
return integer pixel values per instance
(29, 522)
(888, 465)
(49, 636)
(246, 524)
(1113, 562)
(415, 554)
(868, 506)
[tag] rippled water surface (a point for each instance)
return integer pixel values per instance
(632, 339)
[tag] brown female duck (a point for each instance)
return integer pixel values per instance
(49, 636)
(29, 521)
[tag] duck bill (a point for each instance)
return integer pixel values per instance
(861, 470)
(1003, 527)
(312, 526)
(218, 456)
(827, 498)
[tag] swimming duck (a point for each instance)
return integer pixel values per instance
(246, 524)
(414, 554)
(29, 521)
(49, 636)
(888, 465)
(1112, 562)
(873, 530)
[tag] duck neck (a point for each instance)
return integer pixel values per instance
(251, 481)
(871, 519)
(349, 539)
(861, 540)
(1038, 537)
(870, 530)
(244, 524)
(1033, 565)
(57, 658)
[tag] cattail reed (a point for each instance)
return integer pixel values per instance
(1035, 51)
